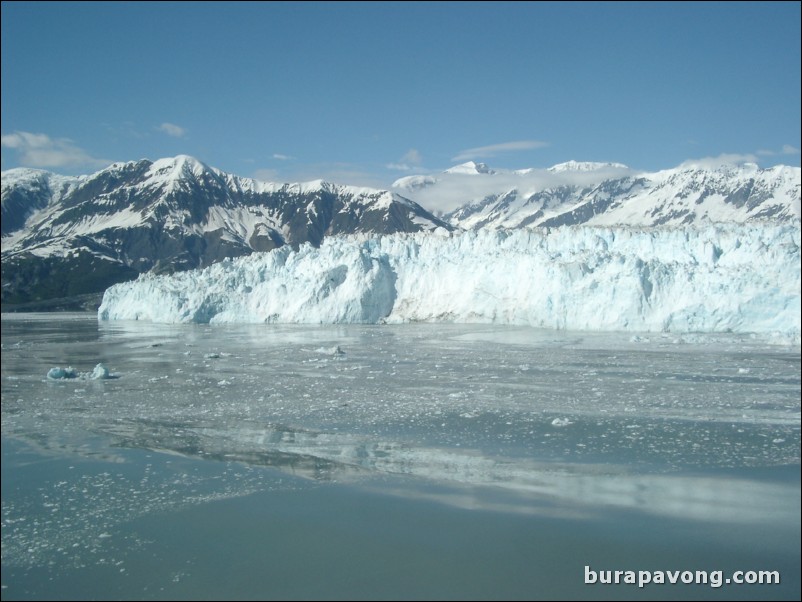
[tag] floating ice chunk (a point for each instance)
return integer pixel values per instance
(786, 338)
(336, 350)
(59, 373)
(560, 422)
(212, 356)
(743, 370)
(100, 372)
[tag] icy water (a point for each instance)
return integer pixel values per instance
(394, 462)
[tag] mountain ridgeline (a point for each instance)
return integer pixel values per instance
(609, 194)
(66, 239)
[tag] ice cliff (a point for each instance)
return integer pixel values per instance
(740, 278)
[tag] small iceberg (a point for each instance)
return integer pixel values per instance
(333, 351)
(59, 373)
(99, 373)
(559, 422)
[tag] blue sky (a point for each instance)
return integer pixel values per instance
(365, 93)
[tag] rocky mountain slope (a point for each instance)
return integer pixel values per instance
(68, 236)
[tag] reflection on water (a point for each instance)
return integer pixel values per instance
(545, 487)
(562, 426)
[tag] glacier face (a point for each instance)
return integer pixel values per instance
(725, 277)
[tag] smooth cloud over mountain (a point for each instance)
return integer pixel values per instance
(453, 189)
(40, 150)
(171, 129)
(493, 150)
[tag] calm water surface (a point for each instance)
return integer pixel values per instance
(415, 461)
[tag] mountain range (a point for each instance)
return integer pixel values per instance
(66, 239)
(608, 194)
(72, 236)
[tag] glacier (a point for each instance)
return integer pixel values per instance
(714, 278)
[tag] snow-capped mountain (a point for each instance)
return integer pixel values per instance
(65, 236)
(716, 278)
(471, 168)
(581, 166)
(607, 194)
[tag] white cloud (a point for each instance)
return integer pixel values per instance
(453, 190)
(40, 150)
(787, 149)
(266, 175)
(171, 129)
(412, 159)
(484, 152)
(723, 159)
(281, 157)
(412, 156)
(335, 173)
(126, 129)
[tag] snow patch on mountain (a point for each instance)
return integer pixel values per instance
(742, 278)
(25, 192)
(471, 168)
(584, 166)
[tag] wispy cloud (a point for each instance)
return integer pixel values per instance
(484, 152)
(281, 157)
(171, 129)
(412, 159)
(454, 190)
(723, 159)
(40, 150)
(126, 129)
(739, 159)
(266, 175)
(336, 173)
(786, 149)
